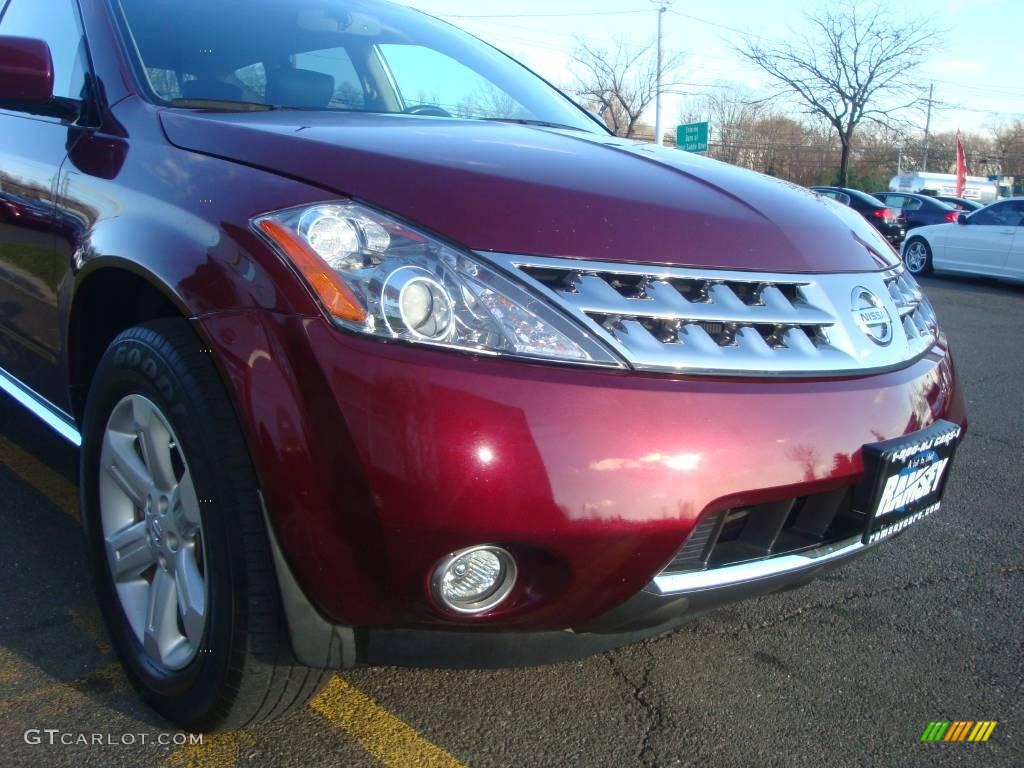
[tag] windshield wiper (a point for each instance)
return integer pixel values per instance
(237, 106)
(538, 123)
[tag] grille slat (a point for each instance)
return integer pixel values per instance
(736, 323)
(595, 294)
(694, 553)
(762, 529)
(817, 513)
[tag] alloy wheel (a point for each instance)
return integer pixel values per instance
(153, 532)
(916, 257)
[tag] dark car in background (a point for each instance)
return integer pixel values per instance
(878, 214)
(918, 210)
(960, 203)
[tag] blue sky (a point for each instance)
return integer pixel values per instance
(977, 75)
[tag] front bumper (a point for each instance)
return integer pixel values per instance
(665, 605)
(376, 460)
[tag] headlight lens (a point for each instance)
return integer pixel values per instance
(378, 276)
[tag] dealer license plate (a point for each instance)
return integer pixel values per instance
(904, 479)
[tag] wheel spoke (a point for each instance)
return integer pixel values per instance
(129, 553)
(155, 442)
(186, 505)
(161, 635)
(191, 594)
(125, 467)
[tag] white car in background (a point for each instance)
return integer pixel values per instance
(989, 241)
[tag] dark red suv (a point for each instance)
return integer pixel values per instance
(381, 350)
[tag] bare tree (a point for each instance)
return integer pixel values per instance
(854, 62)
(621, 82)
(1008, 146)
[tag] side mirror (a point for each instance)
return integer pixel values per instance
(26, 71)
(961, 218)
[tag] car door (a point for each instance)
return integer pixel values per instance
(1015, 258)
(983, 244)
(32, 148)
(907, 209)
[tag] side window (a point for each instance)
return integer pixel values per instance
(426, 77)
(895, 202)
(911, 204)
(993, 216)
(348, 89)
(1017, 211)
(56, 22)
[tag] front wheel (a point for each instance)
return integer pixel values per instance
(176, 538)
(917, 255)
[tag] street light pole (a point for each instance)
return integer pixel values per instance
(928, 127)
(659, 138)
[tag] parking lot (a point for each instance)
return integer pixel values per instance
(847, 671)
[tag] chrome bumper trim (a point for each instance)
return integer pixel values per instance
(41, 408)
(756, 570)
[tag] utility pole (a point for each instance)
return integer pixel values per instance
(659, 138)
(928, 126)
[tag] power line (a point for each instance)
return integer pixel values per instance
(539, 15)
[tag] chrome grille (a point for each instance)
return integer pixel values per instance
(916, 314)
(734, 323)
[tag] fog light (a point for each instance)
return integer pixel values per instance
(474, 580)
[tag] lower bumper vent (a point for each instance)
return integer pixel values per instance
(744, 534)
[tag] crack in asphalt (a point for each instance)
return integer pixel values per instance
(641, 690)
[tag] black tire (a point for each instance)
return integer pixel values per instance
(914, 265)
(244, 671)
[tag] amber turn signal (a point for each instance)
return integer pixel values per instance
(326, 283)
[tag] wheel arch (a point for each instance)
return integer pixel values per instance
(110, 295)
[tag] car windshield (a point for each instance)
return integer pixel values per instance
(340, 55)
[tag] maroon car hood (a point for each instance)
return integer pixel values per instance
(519, 189)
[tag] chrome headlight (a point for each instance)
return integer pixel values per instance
(380, 277)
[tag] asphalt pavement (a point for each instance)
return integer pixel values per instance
(849, 670)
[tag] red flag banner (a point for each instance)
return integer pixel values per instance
(961, 166)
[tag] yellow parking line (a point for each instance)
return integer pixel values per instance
(53, 486)
(9, 668)
(88, 622)
(61, 695)
(379, 732)
(219, 750)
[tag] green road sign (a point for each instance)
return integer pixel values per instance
(692, 137)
